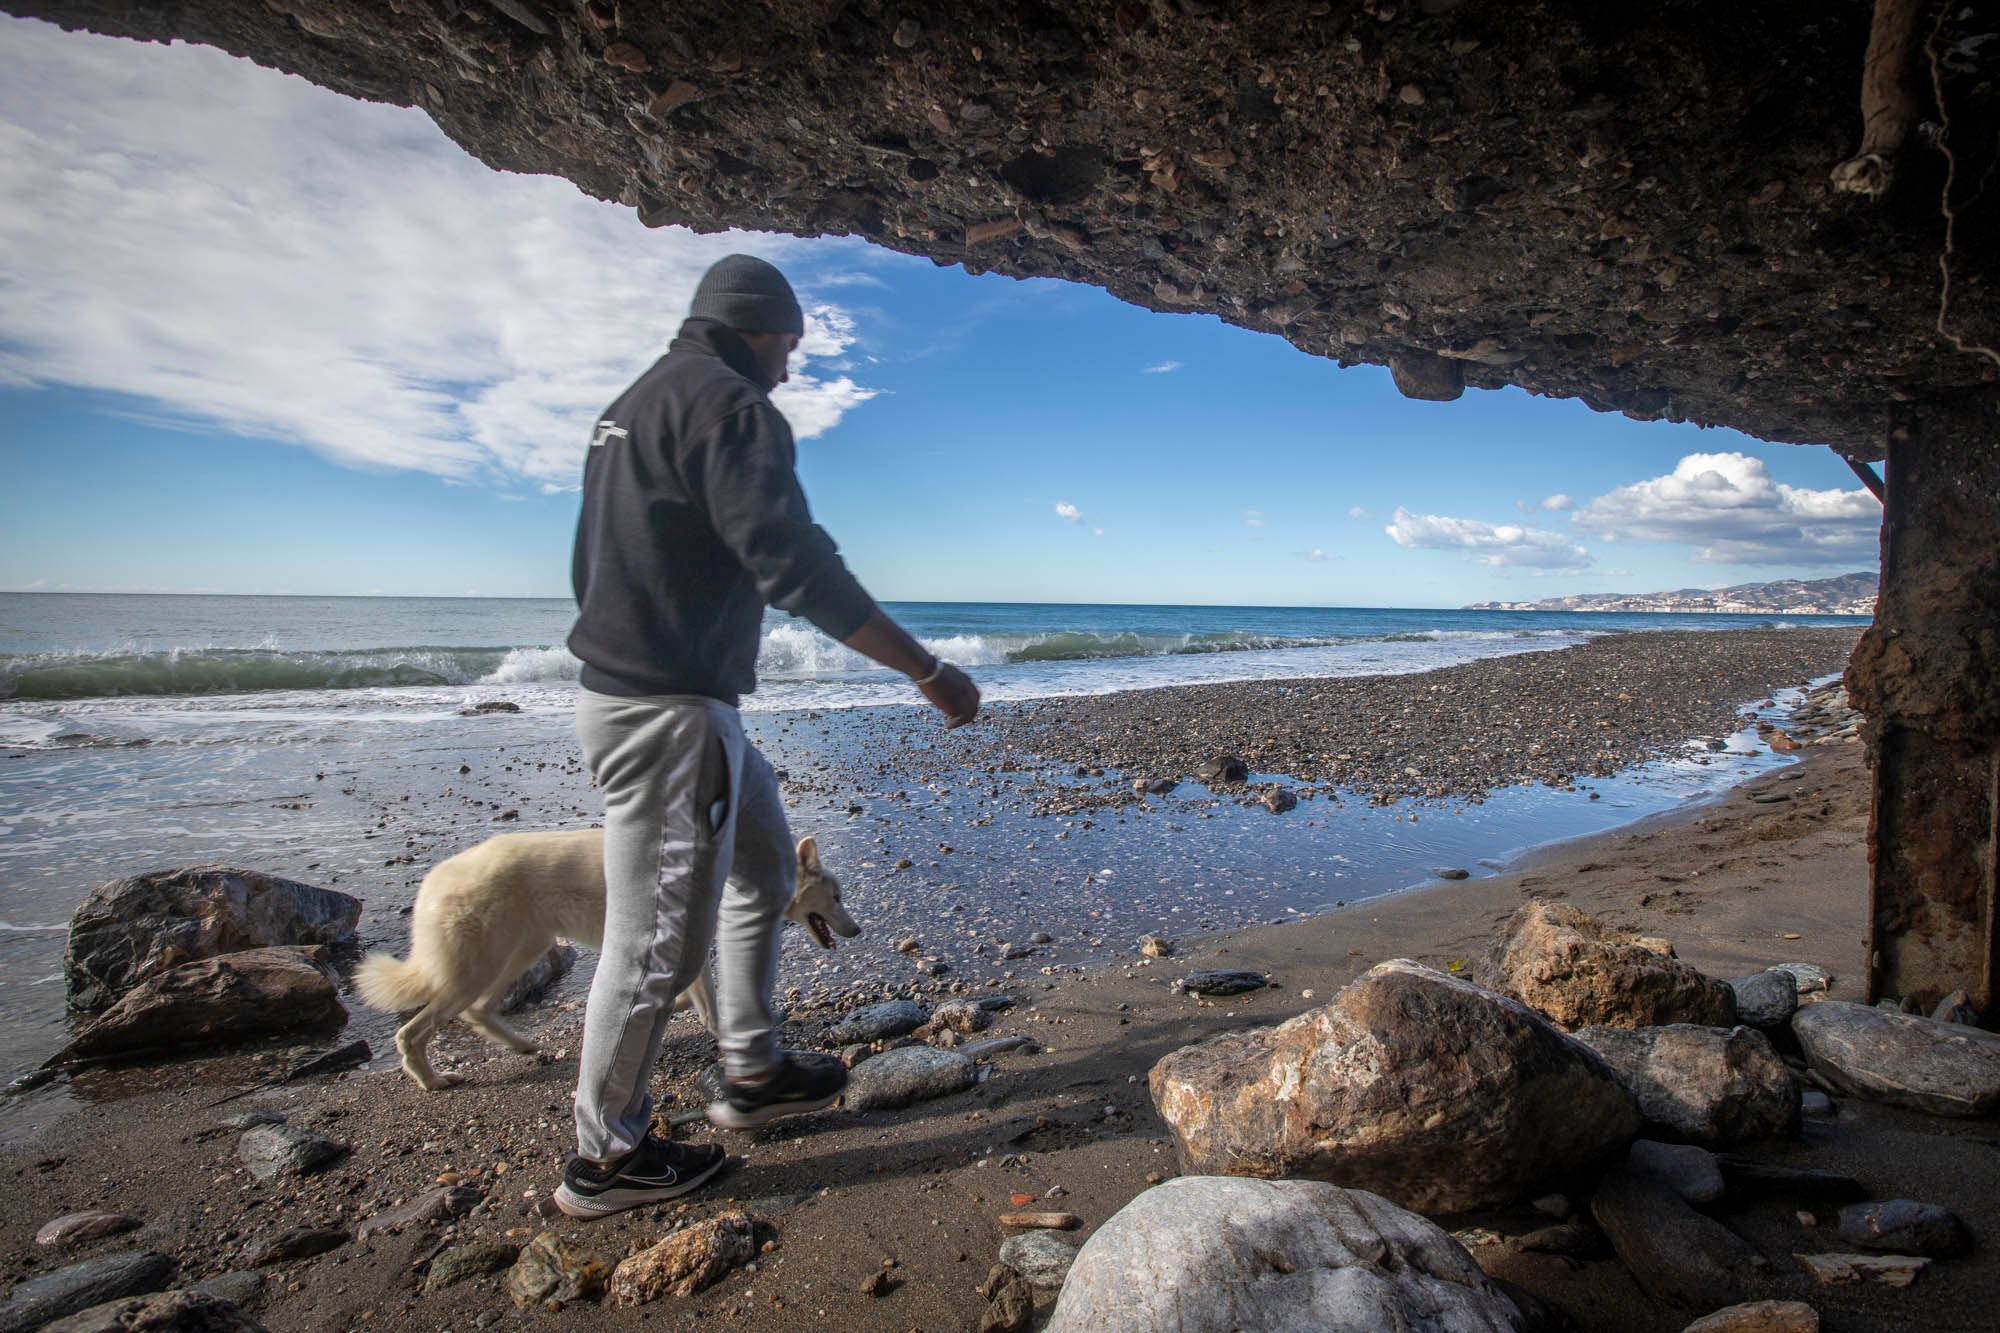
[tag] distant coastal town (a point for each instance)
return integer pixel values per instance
(1842, 595)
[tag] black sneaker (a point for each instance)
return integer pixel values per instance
(795, 1087)
(653, 1171)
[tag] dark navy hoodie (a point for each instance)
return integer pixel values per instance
(692, 522)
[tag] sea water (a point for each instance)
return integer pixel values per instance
(317, 737)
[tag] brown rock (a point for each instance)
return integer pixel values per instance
(1759, 1317)
(1427, 376)
(215, 1001)
(436, 1205)
(1419, 1086)
(688, 1260)
(139, 927)
(1674, 1253)
(1841, 1270)
(166, 1312)
(1720, 1086)
(1012, 1307)
(82, 1228)
(999, 229)
(627, 57)
(678, 93)
(1580, 972)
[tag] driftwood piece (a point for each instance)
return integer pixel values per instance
(1045, 1221)
(1888, 107)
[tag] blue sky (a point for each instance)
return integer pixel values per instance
(255, 337)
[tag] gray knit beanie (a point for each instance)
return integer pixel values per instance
(746, 293)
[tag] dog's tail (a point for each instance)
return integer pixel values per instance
(389, 983)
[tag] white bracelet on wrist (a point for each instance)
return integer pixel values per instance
(938, 664)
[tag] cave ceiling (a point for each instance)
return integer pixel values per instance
(1628, 204)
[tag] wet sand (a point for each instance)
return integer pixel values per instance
(1728, 881)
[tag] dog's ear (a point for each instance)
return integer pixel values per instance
(809, 855)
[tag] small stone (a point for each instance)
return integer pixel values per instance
(1039, 1257)
(876, 1022)
(1011, 1306)
(908, 33)
(82, 1228)
(1552, 1205)
(1816, 1105)
(431, 1206)
(908, 1074)
(688, 1260)
(1154, 947)
(1903, 1226)
(461, 1263)
(1410, 95)
(251, 1119)
(878, 1284)
(1759, 1317)
(1451, 873)
(292, 1243)
(1222, 981)
(1955, 1008)
(551, 1269)
(270, 1151)
(1765, 1000)
(1279, 800)
(1840, 1270)
(1688, 1171)
(1041, 937)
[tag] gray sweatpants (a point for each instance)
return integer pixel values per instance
(694, 830)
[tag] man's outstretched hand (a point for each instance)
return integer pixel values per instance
(954, 695)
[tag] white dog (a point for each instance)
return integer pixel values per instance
(484, 915)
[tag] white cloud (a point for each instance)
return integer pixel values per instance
(1316, 556)
(1097, 532)
(1161, 368)
(1069, 511)
(1357, 512)
(229, 245)
(1730, 511)
(1507, 544)
(1253, 518)
(1556, 503)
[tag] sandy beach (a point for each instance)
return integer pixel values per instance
(1774, 870)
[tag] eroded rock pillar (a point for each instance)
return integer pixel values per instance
(1927, 675)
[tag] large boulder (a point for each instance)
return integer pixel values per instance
(1208, 1254)
(135, 928)
(1943, 1068)
(165, 1312)
(1580, 972)
(1422, 1087)
(107, 1277)
(1720, 1086)
(215, 1002)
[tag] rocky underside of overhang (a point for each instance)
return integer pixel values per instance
(1625, 204)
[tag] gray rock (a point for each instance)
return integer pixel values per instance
(1674, 1253)
(251, 1119)
(1279, 800)
(992, 1046)
(240, 1287)
(1955, 1008)
(1691, 1172)
(908, 1074)
(135, 928)
(1417, 1085)
(1765, 1000)
(271, 1151)
(1810, 978)
(552, 1269)
(1219, 1254)
(1578, 1240)
(891, 1018)
(108, 1277)
(446, 1201)
(195, 1311)
(82, 1228)
(461, 1263)
(1815, 1105)
(1222, 981)
(1451, 872)
(1222, 768)
(216, 1001)
(1038, 1256)
(1581, 972)
(292, 1243)
(1720, 1086)
(1903, 1226)
(1944, 1068)
(543, 973)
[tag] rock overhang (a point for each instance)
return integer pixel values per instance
(1626, 205)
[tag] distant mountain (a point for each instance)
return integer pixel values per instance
(1843, 595)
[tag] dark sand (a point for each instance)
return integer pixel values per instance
(1726, 881)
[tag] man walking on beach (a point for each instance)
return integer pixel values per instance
(693, 521)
